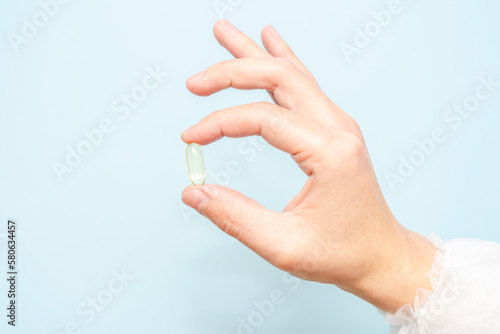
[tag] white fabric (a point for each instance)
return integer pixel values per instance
(465, 279)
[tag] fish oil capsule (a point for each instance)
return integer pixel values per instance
(196, 165)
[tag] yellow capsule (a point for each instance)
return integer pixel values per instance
(196, 165)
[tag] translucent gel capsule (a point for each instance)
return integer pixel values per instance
(196, 165)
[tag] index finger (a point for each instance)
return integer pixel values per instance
(287, 131)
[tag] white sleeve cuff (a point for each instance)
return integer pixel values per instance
(465, 296)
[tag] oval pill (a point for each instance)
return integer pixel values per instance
(196, 165)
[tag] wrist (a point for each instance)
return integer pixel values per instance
(396, 270)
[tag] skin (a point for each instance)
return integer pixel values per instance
(338, 229)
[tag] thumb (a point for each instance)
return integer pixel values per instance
(260, 229)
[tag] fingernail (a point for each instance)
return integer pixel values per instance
(197, 198)
(228, 27)
(273, 31)
(188, 130)
(210, 189)
(196, 77)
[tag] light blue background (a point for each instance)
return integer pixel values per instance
(121, 207)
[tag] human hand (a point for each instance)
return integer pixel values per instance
(339, 228)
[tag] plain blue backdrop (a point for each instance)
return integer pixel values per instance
(120, 207)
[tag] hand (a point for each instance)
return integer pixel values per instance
(339, 228)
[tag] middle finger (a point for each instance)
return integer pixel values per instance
(291, 87)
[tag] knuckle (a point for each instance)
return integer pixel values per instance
(264, 106)
(343, 151)
(286, 260)
(222, 68)
(297, 263)
(282, 69)
(273, 122)
(354, 127)
(290, 256)
(284, 64)
(354, 148)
